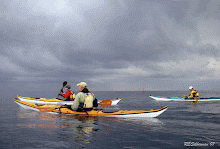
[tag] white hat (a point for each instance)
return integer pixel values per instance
(190, 87)
(82, 84)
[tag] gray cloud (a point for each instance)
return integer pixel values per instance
(110, 43)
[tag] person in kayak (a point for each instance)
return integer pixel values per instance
(84, 100)
(194, 94)
(69, 95)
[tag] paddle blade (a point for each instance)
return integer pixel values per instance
(45, 109)
(184, 95)
(64, 83)
(105, 103)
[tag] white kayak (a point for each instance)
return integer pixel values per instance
(58, 109)
(55, 101)
(160, 98)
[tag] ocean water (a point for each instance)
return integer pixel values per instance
(184, 124)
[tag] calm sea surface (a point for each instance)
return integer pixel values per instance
(193, 124)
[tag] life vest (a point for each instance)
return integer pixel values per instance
(195, 94)
(72, 96)
(88, 100)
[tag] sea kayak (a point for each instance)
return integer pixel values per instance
(57, 101)
(160, 98)
(55, 109)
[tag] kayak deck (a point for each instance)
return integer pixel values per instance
(121, 113)
(56, 101)
(160, 98)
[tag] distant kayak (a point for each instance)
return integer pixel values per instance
(161, 98)
(121, 113)
(57, 101)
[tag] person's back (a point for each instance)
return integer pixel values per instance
(84, 100)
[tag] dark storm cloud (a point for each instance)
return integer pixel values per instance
(105, 41)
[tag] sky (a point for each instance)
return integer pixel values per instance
(111, 45)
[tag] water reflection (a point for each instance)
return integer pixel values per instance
(194, 107)
(210, 108)
(152, 124)
(205, 107)
(145, 121)
(59, 124)
(79, 130)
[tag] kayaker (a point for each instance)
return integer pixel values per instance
(84, 100)
(69, 95)
(194, 94)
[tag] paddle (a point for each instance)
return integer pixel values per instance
(64, 84)
(105, 103)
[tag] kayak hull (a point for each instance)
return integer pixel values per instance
(121, 113)
(160, 98)
(57, 101)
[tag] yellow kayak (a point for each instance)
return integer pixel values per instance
(57, 101)
(121, 113)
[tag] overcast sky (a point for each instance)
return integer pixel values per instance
(110, 44)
